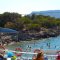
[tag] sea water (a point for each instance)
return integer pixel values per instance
(52, 43)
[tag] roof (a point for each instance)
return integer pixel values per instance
(7, 30)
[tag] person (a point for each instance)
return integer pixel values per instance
(1, 57)
(40, 56)
(10, 54)
(58, 57)
(13, 58)
(45, 58)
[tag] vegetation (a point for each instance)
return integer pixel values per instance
(31, 26)
(34, 22)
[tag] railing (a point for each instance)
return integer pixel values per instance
(50, 57)
(50, 54)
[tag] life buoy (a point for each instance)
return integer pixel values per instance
(18, 49)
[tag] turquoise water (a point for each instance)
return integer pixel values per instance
(52, 43)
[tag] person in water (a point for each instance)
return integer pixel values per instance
(40, 56)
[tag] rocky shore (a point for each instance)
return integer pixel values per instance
(43, 33)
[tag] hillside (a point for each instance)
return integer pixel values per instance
(52, 13)
(31, 27)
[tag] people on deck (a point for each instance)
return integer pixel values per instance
(10, 54)
(45, 58)
(1, 57)
(40, 56)
(58, 57)
(13, 58)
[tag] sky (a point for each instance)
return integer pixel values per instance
(27, 6)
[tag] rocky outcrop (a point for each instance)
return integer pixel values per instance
(44, 33)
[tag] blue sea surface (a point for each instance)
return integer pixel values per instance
(52, 43)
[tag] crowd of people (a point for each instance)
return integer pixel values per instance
(9, 54)
(40, 56)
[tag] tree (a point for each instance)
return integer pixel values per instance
(10, 25)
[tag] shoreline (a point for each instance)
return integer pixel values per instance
(28, 35)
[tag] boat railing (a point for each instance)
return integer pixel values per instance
(47, 54)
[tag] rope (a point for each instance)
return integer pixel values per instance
(6, 50)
